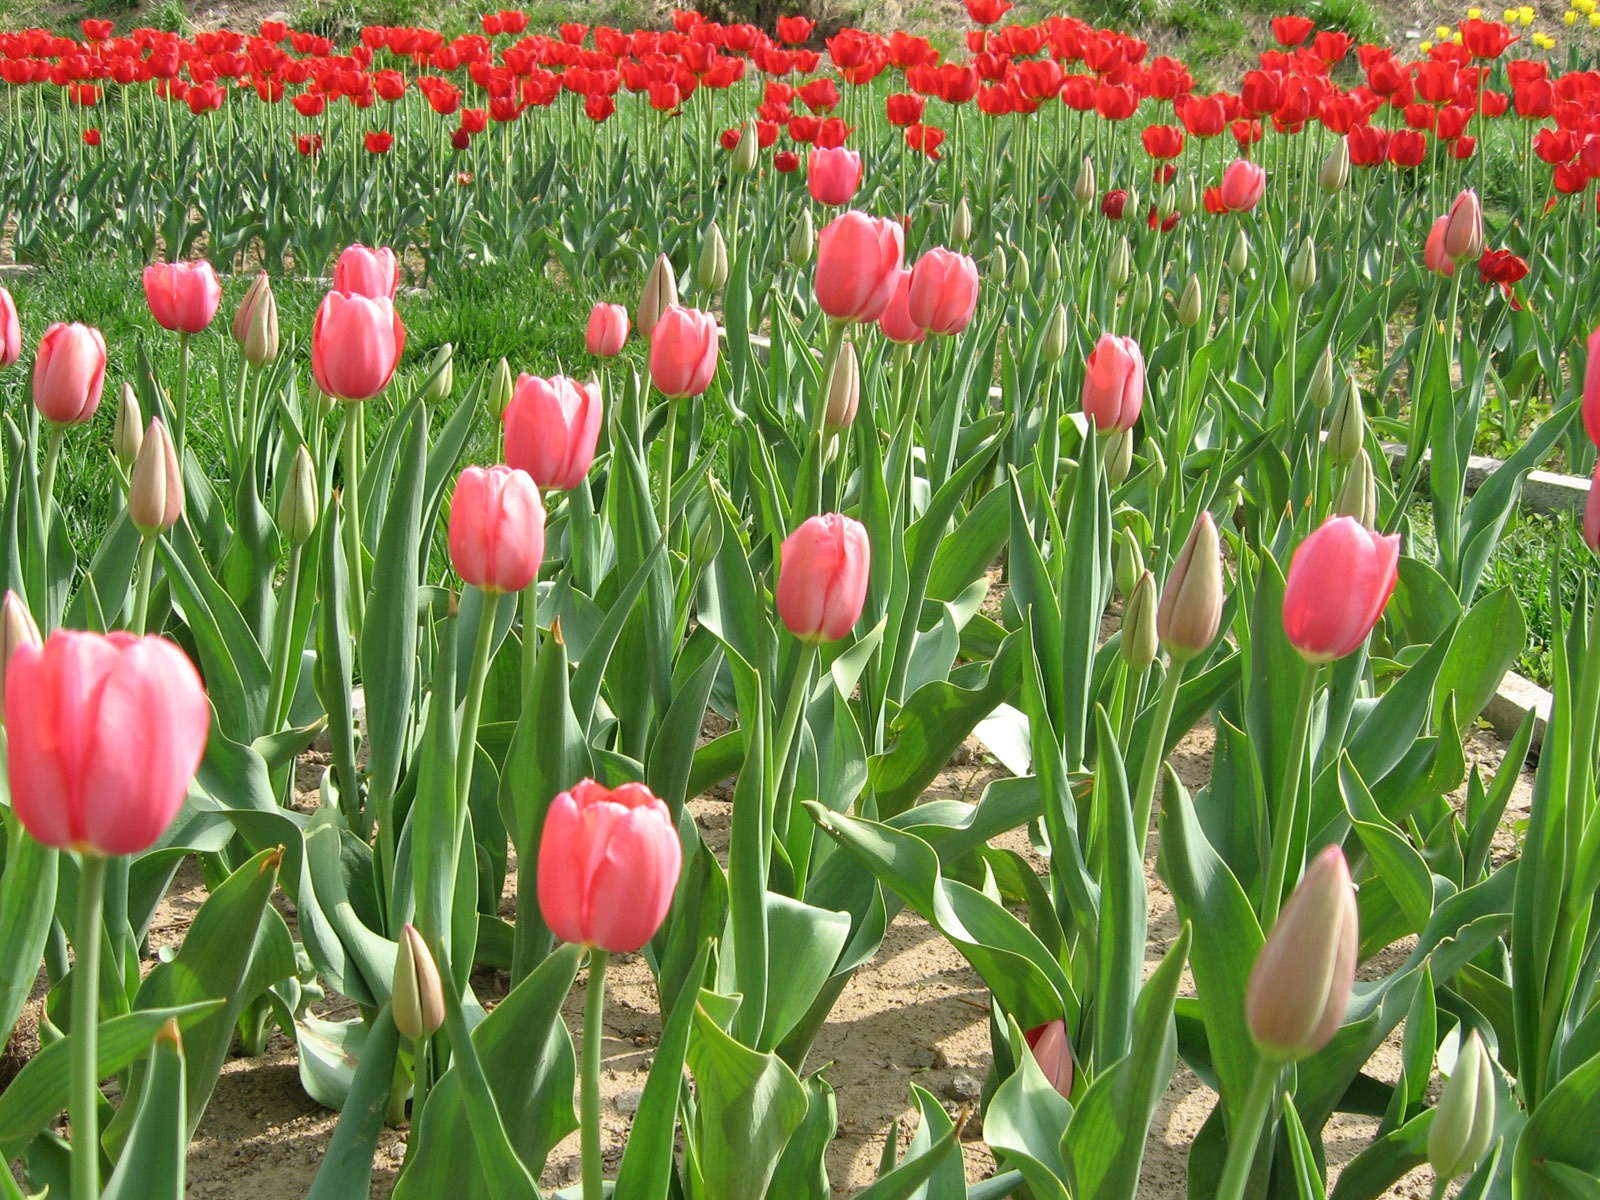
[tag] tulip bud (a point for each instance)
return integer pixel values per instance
(660, 293)
(1463, 231)
(1157, 467)
(501, 390)
(802, 240)
(823, 569)
(1118, 268)
(1188, 196)
(1463, 1120)
(711, 272)
(1119, 456)
(747, 154)
(1320, 391)
(1083, 188)
(255, 325)
(1129, 563)
(1053, 345)
(1021, 273)
(1335, 172)
(1052, 265)
(441, 379)
(1140, 641)
(17, 628)
(844, 389)
(961, 223)
(417, 1001)
(1358, 494)
(998, 264)
(297, 501)
(1338, 582)
(1053, 1052)
(1303, 271)
(1239, 252)
(1300, 984)
(1141, 294)
(127, 435)
(1191, 603)
(1189, 303)
(1347, 431)
(155, 489)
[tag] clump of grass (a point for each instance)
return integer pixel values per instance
(1358, 18)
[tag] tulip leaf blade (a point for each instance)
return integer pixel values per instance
(154, 1161)
(346, 1168)
(1026, 1120)
(27, 908)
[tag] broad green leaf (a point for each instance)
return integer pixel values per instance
(27, 907)
(346, 1168)
(154, 1162)
(1026, 1121)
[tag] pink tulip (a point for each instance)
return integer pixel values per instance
(896, 322)
(1053, 1052)
(822, 577)
(10, 330)
(833, 174)
(17, 628)
(1300, 984)
(1113, 389)
(1591, 389)
(363, 272)
(858, 264)
(607, 331)
(1339, 580)
(69, 373)
(552, 427)
(496, 529)
(183, 296)
(944, 291)
(1434, 256)
(608, 865)
(1591, 512)
(355, 345)
(1463, 231)
(1242, 185)
(683, 351)
(104, 734)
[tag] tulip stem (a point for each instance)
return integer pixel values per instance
(593, 1030)
(788, 726)
(1440, 1186)
(180, 398)
(466, 750)
(668, 454)
(141, 592)
(47, 487)
(1283, 825)
(1242, 1138)
(288, 597)
(352, 530)
(819, 414)
(1150, 769)
(82, 1105)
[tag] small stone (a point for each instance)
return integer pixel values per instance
(941, 1061)
(921, 1058)
(966, 1089)
(627, 1103)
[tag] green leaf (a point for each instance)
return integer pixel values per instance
(802, 1172)
(329, 1053)
(803, 943)
(1374, 1171)
(1124, 903)
(153, 1163)
(1307, 1175)
(346, 1168)
(1558, 1145)
(1026, 1120)
(929, 1170)
(1484, 647)
(27, 907)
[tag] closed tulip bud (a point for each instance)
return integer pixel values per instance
(1191, 603)
(1335, 171)
(1320, 390)
(155, 489)
(1347, 431)
(17, 628)
(1119, 456)
(1083, 187)
(961, 223)
(1118, 268)
(356, 344)
(999, 265)
(683, 353)
(1239, 252)
(552, 429)
(1300, 984)
(69, 373)
(183, 297)
(1140, 638)
(255, 325)
(127, 435)
(501, 388)
(1128, 564)
(608, 865)
(1157, 468)
(711, 271)
(297, 501)
(1463, 1120)
(10, 330)
(1591, 512)
(1052, 264)
(1021, 273)
(1053, 1052)
(823, 569)
(607, 331)
(1358, 494)
(1434, 256)
(859, 259)
(660, 293)
(832, 174)
(441, 379)
(1113, 386)
(1189, 303)
(802, 240)
(1243, 183)
(496, 529)
(1303, 270)
(1188, 197)
(104, 732)
(417, 1001)
(747, 154)
(1057, 336)
(844, 389)
(1339, 580)
(1141, 294)
(944, 291)
(1463, 230)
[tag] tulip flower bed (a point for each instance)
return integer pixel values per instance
(475, 709)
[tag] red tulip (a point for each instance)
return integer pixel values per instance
(987, 12)
(1163, 141)
(1591, 504)
(183, 297)
(905, 109)
(104, 733)
(1242, 185)
(683, 351)
(822, 577)
(355, 345)
(552, 428)
(944, 291)
(1053, 1052)
(69, 373)
(1434, 255)
(607, 331)
(1113, 389)
(91, 137)
(496, 528)
(926, 138)
(364, 272)
(833, 175)
(1291, 31)
(10, 330)
(785, 162)
(1591, 389)
(379, 142)
(1463, 231)
(608, 864)
(1339, 579)
(896, 322)
(858, 264)
(1114, 203)
(795, 29)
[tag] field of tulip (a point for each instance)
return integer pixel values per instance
(411, 681)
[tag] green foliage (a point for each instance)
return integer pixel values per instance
(1356, 17)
